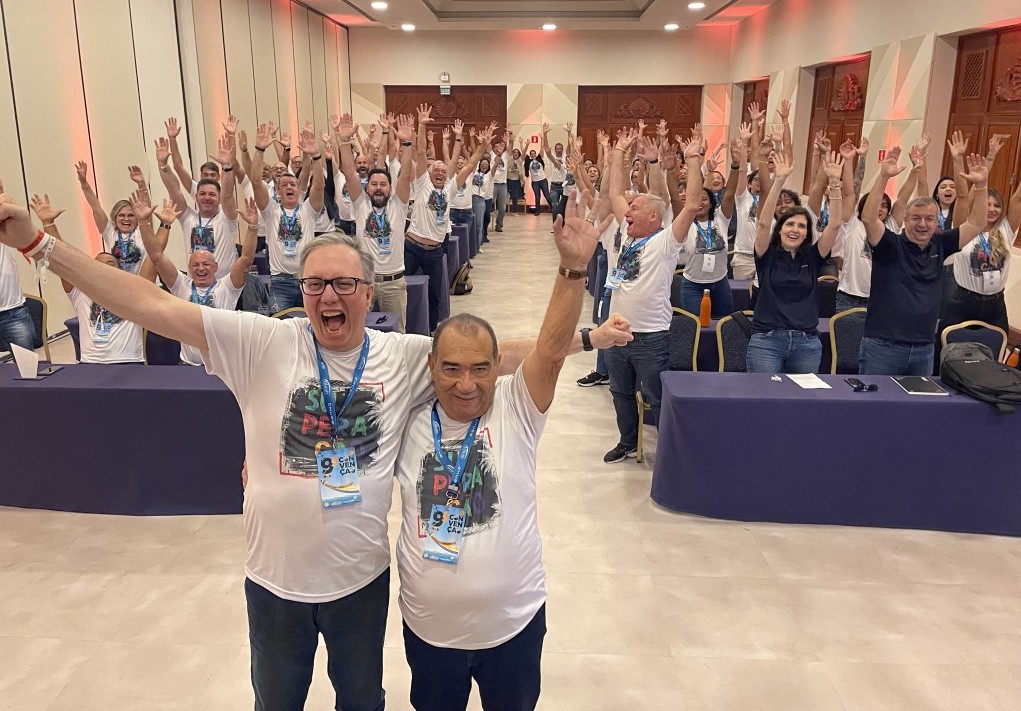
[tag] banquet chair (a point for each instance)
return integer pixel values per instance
(827, 296)
(683, 337)
(675, 288)
(976, 332)
(37, 310)
(160, 350)
(293, 312)
(846, 331)
(732, 344)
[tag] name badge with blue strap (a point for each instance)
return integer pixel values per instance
(202, 300)
(338, 465)
(445, 529)
(616, 276)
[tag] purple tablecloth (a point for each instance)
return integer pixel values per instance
(709, 354)
(418, 304)
(741, 446)
(460, 234)
(121, 439)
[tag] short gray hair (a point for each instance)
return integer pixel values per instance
(330, 239)
(656, 202)
(921, 201)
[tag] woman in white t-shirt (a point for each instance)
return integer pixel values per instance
(980, 269)
(482, 199)
(706, 266)
(119, 227)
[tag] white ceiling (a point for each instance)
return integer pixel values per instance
(532, 14)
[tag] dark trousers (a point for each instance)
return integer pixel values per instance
(541, 186)
(508, 674)
(556, 192)
(429, 262)
(284, 634)
(964, 305)
(637, 364)
(284, 292)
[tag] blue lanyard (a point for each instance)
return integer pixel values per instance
(327, 386)
(455, 471)
(289, 221)
(123, 241)
(626, 254)
(824, 217)
(755, 206)
(706, 234)
(983, 243)
(943, 219)
(204, 300)
(208, 222)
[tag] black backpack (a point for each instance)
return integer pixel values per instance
(971, 369)
(461, 283)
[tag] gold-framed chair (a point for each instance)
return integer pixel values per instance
(846, 330)
(37, 309)
(975, 331)
(732, 341)
(683, 338)
(293, 312)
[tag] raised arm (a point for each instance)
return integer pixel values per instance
(978, 176)
(620, 175)
(48, 216)
(246, 158)
(173, 131)
(818, 187)
(958, 145)
(657, 182)
(768, 206)
(405, 134)
(859, 168)
(226, 155)
(263, 139)
(310, 150)
(785, 114)
(849, 198)
(170, 181)
(239, 272)
(833, 168)
(154, 248)
(692, 160)
(1014, 206)
(888, 168)
(99, 215)
(344, 128)
(737, 178)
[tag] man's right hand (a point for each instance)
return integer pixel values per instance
(614, 331)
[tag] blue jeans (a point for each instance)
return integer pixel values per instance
(430, 262)
(847, 301)
(284, 292)
(720, 295)
(500, 196)
(461, 217)
(878, 356)
(604, 313)
(16, 327)
(284, 634)
(479, 211)
(784, 352)
(508, 675)
(541, 186)
(485, 220)
(638, 363)
(556, 191)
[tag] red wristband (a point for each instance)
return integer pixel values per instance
(35, 243)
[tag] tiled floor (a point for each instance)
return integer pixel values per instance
(104, 612)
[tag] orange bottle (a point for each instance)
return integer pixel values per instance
(705, 310)
(1013, 358)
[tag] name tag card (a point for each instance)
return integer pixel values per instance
(445, 532)
(338, 477)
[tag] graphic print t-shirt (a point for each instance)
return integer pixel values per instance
(127, 248)
(644, 296)
(974, 267)
(224, 295)
(284, 236)
(297, 550)
(218, 234)
(123, 343)
(498, 583)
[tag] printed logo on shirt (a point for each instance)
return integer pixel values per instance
(480, 486)
(202, 238)
(438, 200)
(716, 243)
(981, 260)
(129, 255)
(632, 264)
(109, 317)
(477, 180)
(375, 229)
(289, 232)
(306, 426)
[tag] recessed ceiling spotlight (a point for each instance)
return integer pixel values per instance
(408, 27)
(549, 26)
(670, 26)
(696, 5)
(379, 6)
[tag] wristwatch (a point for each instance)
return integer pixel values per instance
(586, 342)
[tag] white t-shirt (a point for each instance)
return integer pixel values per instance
(126, 248)
(746, 214)
(853, 246)
(216, 234)
(611, 239)
(297, 550)
(557, 175)
(482, 184)
(372, 227)
(430, 214)
(498, 583)
(323, 223)
(536, 171)
(643, 298)
(342, 196)
(973, 269)
(700, 255)
(284, 231)
(221, 295)
(460, 198)
(502, 162)
(11, 295)
(105, 337)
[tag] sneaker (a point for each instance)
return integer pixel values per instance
(499, 229)
(594, 378)
(619, 454)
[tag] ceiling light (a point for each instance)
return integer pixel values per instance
(549, 26)
(408, 27)
(670, 26)
(696, 5)
(379, 6)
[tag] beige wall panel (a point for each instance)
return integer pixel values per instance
(283, 47)
(10, 160)
(192, 120)
(53, 125)
(302, 62)
(343, 48)
(333, 102)
(212, 71)
(260, 19)
(237, 41)
(317, 55)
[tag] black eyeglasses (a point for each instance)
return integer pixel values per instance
(314, 286)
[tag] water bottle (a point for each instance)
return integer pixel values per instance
(705, 310)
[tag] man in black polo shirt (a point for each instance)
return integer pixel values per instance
(906, 274)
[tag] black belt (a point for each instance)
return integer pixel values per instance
(389, 277)
(968, 293)
(554, 183)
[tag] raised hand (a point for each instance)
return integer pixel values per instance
(847, 149)
(307, 141)
(273, 128)
(405, 128)
(459, 127)
(43, 210)
(649, 148)
(224, 151)
(626, 139)
(825, 145)
(249, 212)
(575, 237)
(173, 129)
(335, 121)
(162, 150)
(141, 205)
(602, 137)
(569, 126)
(136, 175)
(263, 138)
(545, 128)
(863, 146)
(345, 127)
(230, 125)
(169, 212)
(916, 157)
(780, 166)
(745, 132)
(776, 134)
(923, 144)
(958, 144)
(243, 141)
(833, 165)
(890, 166)
(423, 113)
(81, 168)
(446, 133)
(977, 170)
(661, 129)
(641, 127)
(754, 113)
(784, 112)
(738, 151)
(996, 142)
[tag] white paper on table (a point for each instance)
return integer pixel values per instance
(28, 362)
(809, 381)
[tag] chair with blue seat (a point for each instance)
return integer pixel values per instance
(160, 350)
(827, 295)
(683, 337)
(846, 331)
(732, 344)
(994, 337)
(293, 312)
(37, 310)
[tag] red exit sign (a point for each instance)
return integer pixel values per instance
(535, 139)
(882, 154)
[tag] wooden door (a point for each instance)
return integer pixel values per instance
(757, 91)
(838, 105)
(476, 106)
(612, 108)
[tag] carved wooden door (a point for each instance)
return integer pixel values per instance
(476, 106)
(838, 106)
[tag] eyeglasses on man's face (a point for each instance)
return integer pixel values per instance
(342, 286)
